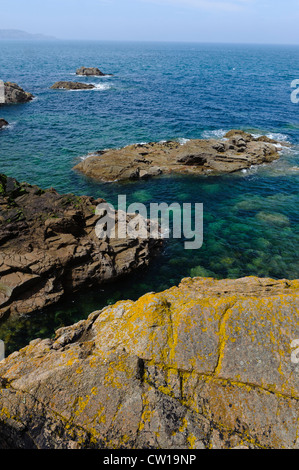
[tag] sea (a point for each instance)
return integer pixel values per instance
(159, 92)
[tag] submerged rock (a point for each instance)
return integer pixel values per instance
(14, 94)
(208, 364)
(3, 123)
(272, 218)
(141, 161)
(89, 71)
(48, 247)
(72, 86)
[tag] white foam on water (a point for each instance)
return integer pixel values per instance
(10, 126)
(97, 87)
(216, 134)
(220, 133)
(256, 136)
(290, 150)
(91, 154)
(278, 136)
(101, 86)
(274, 136)
(182, 140)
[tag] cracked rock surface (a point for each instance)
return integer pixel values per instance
(238, 151)
(206, 364)
(48, 247)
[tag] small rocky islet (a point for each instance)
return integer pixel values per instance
(84, 72)
(239, 150)
(3, 123)
(91, 71)
(72, 86)
(14, 94)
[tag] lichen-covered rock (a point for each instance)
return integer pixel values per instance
(204, 365)
(48, 247)
(14, 94)
(141, 161)
(72, 86)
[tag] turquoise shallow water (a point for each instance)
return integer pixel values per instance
(160, 92)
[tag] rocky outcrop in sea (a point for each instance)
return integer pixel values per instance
(207, 364)
(3, 123)
(90, 71)
(48, 247)
(14, 94)
(239, 150)
(72, 86)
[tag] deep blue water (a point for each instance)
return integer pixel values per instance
(160, 92)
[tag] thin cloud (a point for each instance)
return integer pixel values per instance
(230, 5)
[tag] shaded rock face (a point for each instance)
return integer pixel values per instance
(48, 247)
(141, 161)
(72, 86)
(89, 71)
(203, 365)
(14, 94)
(3, 123)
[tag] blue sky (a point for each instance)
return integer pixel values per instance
(238, 21)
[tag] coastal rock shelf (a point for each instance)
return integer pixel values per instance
(72, 86)
(48, 247)
(14, 94)
(207, 364)
(239, 151)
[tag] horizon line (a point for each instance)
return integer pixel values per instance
(168, 41)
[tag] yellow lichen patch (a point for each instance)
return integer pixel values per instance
(4, 413)
(191, 441)
(184, 425)
(147, 413)
(81, 404)
(112, 379)
(101, 417)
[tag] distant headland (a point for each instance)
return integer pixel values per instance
(15, 34)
